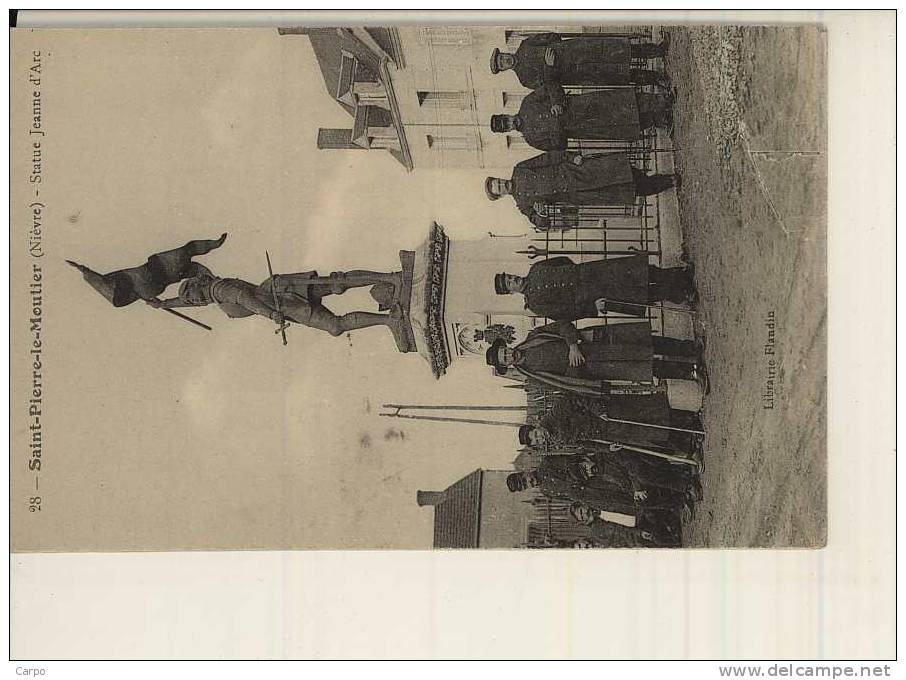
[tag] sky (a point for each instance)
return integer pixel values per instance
(159, 435)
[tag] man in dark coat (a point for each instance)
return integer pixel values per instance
(546, 58)
(618, 352)
(641, 472)
(577, 421)
(549, 117)
(599, 483)
(562, 290)
(300, 299)
(571, 178)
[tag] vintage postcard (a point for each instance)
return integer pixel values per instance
(414, 287)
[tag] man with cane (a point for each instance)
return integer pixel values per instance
(637, 420)
(600, 483)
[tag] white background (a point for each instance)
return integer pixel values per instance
(831, 603)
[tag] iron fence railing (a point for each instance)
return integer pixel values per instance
(584, 232)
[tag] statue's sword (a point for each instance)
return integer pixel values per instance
(282, 326)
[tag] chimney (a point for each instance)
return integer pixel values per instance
(336, 138)
(424, 498)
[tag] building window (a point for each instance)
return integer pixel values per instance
(452, 142)
(516, 142)
(515, 37)
(448, 36)
(370, 93)
(454, 99)
(513, 100)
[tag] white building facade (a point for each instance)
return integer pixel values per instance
(426, 94)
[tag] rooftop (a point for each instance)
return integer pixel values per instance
(348, 55)
(457, 512)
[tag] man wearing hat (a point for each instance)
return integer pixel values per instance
(615, 365)
(604, 486)
(300, 299)
(617, 352)
(546, 58)
(560, 289)
(549, 117)
(645, 471)
(571, 178)
(576, 421)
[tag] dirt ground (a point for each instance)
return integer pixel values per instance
(750, 130)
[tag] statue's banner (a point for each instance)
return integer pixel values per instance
(124, 286)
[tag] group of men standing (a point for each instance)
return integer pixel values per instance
(620, 422)
(620, 425)
(549, 117)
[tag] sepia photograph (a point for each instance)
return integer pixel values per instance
(474, 335)
(415, 287)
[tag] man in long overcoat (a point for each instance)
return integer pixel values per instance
(571, 178)
(618, 352)
(577, 421)
(643, 473)
(601, 485)
(549, 117)
(299, 297)
(546, 58)
(563, 290)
